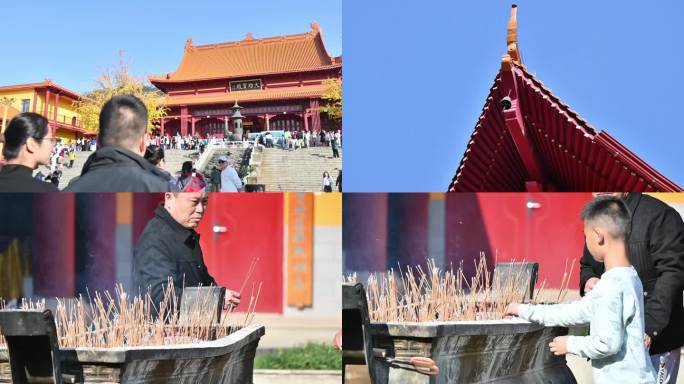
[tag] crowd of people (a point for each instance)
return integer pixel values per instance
(124, 158)
(298, 139)
(187, 142)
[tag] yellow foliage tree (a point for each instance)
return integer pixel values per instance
(119, 82)
(333, 96)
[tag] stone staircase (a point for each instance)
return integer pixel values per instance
(236, 158)
(174, 161)
(298, 170)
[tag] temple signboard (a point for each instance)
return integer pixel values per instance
(245, 85)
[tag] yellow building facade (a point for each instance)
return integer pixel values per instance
(51, 100)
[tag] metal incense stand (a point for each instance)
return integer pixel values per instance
(32, 346)
(494, 351)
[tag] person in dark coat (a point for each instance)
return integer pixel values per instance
(119, 166)
(169, 246)
(28, 144)
(333, 145)
(656, 250)
(338, 182)
(216, 179)
(155, 155)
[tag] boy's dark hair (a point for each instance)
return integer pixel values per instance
(123, 121)
(610, 213)
(22, 127)
(186, 167)
(154, 154)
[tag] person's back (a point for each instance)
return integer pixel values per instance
(119, 166)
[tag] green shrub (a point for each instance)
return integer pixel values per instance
(310, 356)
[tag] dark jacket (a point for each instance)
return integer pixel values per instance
(165, 249)
(656, 250)
(18, 178)
(113, 169)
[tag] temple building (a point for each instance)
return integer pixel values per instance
(278, 81)
(51, 100)
(526, 139)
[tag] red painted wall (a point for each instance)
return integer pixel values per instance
(54, 247)
(505, 228)
(254, 229)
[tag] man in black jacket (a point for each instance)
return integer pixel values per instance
(119, 166)
(169, 246)
(655, 248)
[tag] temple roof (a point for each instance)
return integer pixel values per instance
(252, 57)
(527, 139)
(46, 83)
(231, 97)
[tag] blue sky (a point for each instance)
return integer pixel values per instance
(73, 41)
(416, 78)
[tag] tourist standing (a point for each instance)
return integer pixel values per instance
(338, 182)
(333, 145)
(230, 180)
(72, 157)
(327, 182)
(215, 179)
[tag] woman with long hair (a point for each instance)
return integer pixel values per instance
(327, 182)
(28, 144)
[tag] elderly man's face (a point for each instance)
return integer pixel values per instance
(187, 208)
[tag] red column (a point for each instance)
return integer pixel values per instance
(54, 113)
(54, 252)
(47, 104)
(315, 115)
(192, 120)
(162, 126)
(35, 100)
(184, 120)
(306, 121)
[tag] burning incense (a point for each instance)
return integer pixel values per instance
(417, 295)
(107, 321)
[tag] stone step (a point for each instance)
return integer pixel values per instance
(299, 170)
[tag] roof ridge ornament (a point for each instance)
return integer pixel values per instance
(188, 45)
(513, 51)
(315, 27)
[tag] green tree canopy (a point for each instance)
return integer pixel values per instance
(333, 98)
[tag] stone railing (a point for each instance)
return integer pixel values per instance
(255, 159)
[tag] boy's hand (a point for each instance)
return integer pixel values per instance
(589, 285)
(511, 309)
(559, 345)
